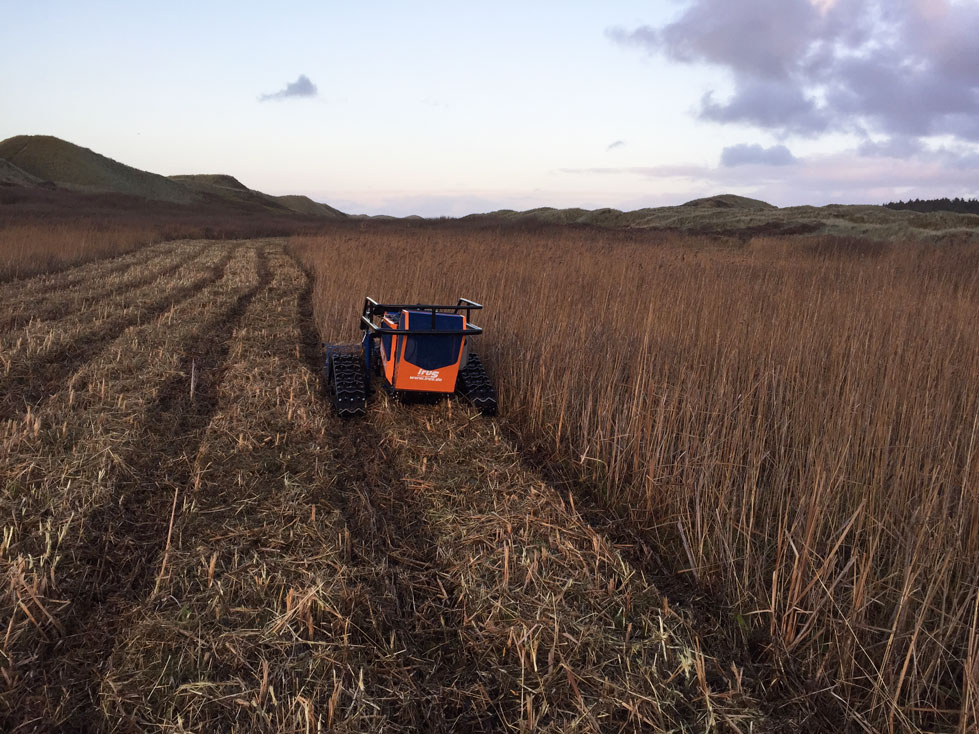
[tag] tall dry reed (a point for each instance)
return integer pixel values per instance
(795, 421)
(35, 247)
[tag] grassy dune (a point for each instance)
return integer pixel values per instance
(62, 204)
(743, 219)
(73, 167)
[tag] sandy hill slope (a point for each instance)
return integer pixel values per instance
(220, 188)
(212, 180)
(72, 167)
(305, 205)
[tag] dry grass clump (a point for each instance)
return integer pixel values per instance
(794, 426)
(82, 498)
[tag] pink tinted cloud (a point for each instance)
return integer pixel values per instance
(894, 67)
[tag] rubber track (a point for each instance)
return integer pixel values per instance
(52, 311)
(47, 375)
(127, 538)
(475, 385)
(347, 386)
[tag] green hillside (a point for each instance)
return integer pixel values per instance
(739, 216)
(11, 175)
(73, 167)
(34, 161)
(305, 205)
(232, 191)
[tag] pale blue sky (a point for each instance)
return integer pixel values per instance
(448, 108)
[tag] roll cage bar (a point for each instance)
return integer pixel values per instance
(373, 309)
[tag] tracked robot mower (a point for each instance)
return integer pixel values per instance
(416, 350)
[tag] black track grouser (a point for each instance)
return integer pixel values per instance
(418, 349)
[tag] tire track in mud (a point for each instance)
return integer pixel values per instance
(126, 538)
(43, 377)
(57, 309)
(437, 686)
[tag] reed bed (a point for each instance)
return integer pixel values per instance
(29, 248)
(792, 421)
(322, 575)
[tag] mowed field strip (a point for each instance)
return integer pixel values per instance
(191, 541)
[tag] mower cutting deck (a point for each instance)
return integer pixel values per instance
(417, 349)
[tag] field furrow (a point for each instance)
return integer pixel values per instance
(82, 276)
(51, 305)
(122, 539)
(39, 335)
(80, 532)
(432, 680)
(256, 619)
(39, 365)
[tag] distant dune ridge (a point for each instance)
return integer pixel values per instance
(232, 190)
(729, 215)
(33, 161)
(730, 201)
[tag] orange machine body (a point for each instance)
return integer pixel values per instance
(422, 363)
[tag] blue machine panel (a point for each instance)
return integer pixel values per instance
(432, 352)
